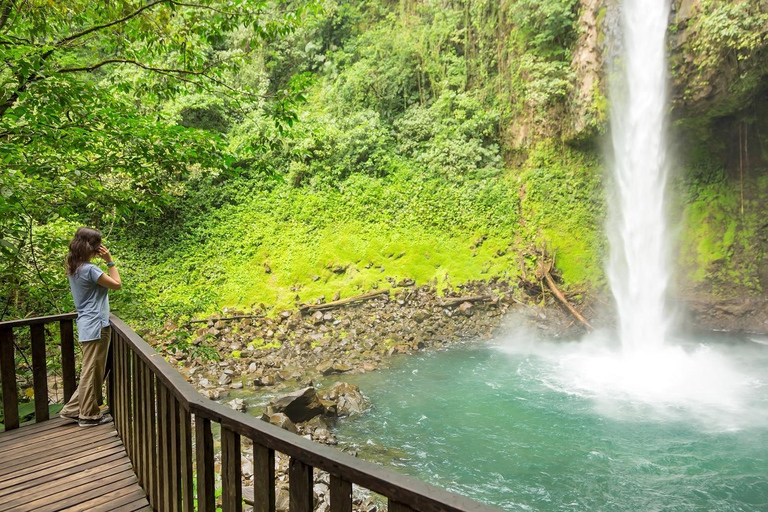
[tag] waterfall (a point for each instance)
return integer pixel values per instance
(638, 268)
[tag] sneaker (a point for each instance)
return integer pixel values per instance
(95, 422)
(75, 418)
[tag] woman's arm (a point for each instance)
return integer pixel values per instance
(111, 281)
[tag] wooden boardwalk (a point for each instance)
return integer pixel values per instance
(56, 465)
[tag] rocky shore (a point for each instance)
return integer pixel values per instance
(284, 355)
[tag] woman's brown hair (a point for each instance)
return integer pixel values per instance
(82, 248)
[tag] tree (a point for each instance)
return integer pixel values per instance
(81, 133)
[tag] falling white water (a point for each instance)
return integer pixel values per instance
(638, 268)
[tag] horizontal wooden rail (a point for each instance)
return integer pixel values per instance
(167, 429)
(39, 364)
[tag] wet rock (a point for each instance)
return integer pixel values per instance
(265, 380)
(299, 406)
(347, 397)
(281, 420)
(238, 404)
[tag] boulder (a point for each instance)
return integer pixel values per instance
(266, 380)
(347, 397)
(466, 309)
(299, 406)
(238, 404)
(280, 420)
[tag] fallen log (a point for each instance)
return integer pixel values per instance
(455, 301)
(332, 305)
(557, 293)
(238, 317)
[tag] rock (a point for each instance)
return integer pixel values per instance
(236, 385)
(238, 404)
(282, 500)
(225, 379)
(326, 368)
(280, 420)
(341, 368)
(348, 398)
(420, 316)
(317, 317)
(466, 308)
(266, 380)
(299, 406)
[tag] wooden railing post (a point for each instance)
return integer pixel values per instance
(341, 494)
(163, 432)
(231, 487)
(206, 497)
(263, 479)
(151, 442)
(299, 486)
(175, 462)
(187, 472)
(39, 372)
(8, 377)
(67, 336)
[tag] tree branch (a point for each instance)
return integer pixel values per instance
(6, 8)
(96, 28)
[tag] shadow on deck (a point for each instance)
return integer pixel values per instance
(56, 465)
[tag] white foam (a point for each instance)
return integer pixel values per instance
(722, 387)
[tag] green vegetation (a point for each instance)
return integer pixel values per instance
(244, 152)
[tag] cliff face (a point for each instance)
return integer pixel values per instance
(718, 68)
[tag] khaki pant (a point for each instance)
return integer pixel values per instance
(85, 400)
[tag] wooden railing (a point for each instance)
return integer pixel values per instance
(166, 427)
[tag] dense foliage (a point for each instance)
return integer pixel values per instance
(246, 152)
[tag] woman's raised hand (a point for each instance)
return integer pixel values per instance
(104, 253)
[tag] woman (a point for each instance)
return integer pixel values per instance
(89, 286)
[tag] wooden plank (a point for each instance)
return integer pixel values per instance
(82, 498)
(19, 468)
(110, 377)
(39, 372)
(25, 452)
(163, 420)
(175, 482)
(140, 462)
(299, 486)
(231, 486)
(263, 479)
(46, 475)
(206, 497)
(146, 434)
(130, 493)
(51, 440)
(134, 414)
(128, 503)
(153, 490)
(395, 506)
(8, 377)
(45, 469)
(64, 485)
(67, 338)
(187, 470)
(56, 425)
(341, 494)
(37, 320)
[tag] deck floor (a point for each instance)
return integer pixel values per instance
(56, 465)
